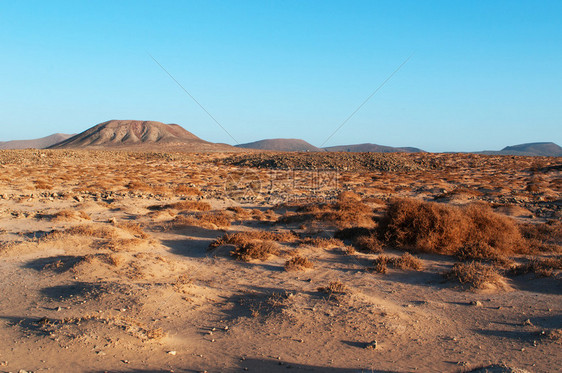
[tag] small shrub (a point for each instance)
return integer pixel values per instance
(245, 237)
(541, 267)
(298, 263)
(369, 244)
(322, 242)
(404, 262)
(474, 274)
(334, 287)
(438, 228)
(257, 250)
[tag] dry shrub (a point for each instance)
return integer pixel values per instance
(242, 238)
(404, 262)
(41, 184)
(475, 275)
(541, 267)
(88, 230)
(187, 191)
(298, 263)
(258, 250)
(437, 228)
(369, 244)
(543, 237)
(480, 251)
(321, 242)
(347, 211)
(334, 287)
(183, 206)
(216, 220)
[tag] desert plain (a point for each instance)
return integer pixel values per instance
(119, 261)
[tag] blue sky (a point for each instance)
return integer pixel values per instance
(483, 75)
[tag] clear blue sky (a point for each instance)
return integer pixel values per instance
(484, 74)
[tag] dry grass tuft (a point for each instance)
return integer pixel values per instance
(258, 250)
(298, 263)
(185, 190)
(210, 220)
(322, 242)
(541, 267)
(183, 206)
(543, 237)
(334, 287)
(369, 244)
(404, 262)
(437, 228)
(242, 238)
(347, 211)
(475, 275)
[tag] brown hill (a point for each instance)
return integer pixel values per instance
(543, 149)
(372, 148)
(40, 143)
(285, 145)
(140, 135)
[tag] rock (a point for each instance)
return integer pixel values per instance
(173, 353)
(371, 345)
(476, 303)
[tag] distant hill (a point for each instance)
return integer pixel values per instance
(373, 148)
(40, 143)
(545, 149)
(285, 145)
(140, 135)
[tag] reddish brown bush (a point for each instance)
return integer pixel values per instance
(475, 275)
(369, 244)
(438, 228)
(259, 250)
(298, 263)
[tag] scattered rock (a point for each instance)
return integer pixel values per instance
(371, 345)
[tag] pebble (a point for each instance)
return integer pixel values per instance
(476, 303)
(371, 345)
(173, 353)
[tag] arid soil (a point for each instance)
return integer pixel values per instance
(276, 262)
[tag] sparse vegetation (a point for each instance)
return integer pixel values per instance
(405, 262)
(475, 275)
(298, 263)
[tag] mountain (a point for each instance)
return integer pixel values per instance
(140, 135)
(544, 149)
(374, 148)
(40, 143)
(285, 145)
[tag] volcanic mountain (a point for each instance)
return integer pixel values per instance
(373, 148)
(285, 145)
(40, 143)
(544, 149)
(140, 135)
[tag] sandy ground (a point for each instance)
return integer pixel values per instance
(137, 293)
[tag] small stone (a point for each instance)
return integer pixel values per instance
(371, 345)
(527, 322)
(476, 303)
(173, 353)
(125, 361)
